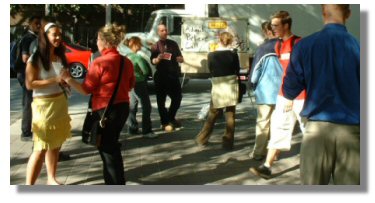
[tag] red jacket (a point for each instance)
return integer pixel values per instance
(102, 76)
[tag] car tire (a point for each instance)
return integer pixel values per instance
(77, 70)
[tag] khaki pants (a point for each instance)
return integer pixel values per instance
(330, 150)
(205, 133)
(262, 130)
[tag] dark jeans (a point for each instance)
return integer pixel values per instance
(140, 94)
(110, 149)
(27, 98)
(167, 85)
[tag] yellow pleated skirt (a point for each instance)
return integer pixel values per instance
(51, 122)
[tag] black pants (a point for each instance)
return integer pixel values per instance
(110, 149)
(167, 85)
(27, 98)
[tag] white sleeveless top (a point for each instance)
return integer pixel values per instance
(43, 74)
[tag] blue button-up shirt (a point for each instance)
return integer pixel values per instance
(326, 64)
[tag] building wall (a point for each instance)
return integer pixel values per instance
(307, 18)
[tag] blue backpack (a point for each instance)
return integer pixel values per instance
(16, 63)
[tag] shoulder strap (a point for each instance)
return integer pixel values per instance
(158, 46)
(278, 44)
(104, 116)
(295, 37)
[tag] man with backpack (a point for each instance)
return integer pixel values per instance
(287, 112)
(266, 81)
(20, 66)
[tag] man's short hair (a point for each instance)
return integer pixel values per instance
(284, 16)
(33, 18)
(344, 8)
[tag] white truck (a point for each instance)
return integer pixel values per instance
(200, 35)
(197, 34)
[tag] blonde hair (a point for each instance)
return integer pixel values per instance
(112, 34)
(226, 38)
(132, 41)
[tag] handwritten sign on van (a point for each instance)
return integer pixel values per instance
(201, 34)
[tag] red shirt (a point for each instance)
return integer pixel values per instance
(102, 76)
(283, 52)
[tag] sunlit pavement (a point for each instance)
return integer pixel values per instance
(171, 159)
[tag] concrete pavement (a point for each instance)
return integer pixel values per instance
(170, 159)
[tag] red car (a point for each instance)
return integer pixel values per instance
(78, 58)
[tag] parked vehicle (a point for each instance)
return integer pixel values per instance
(196, 36)
(200, 35)
(195, 33)
(78, 58)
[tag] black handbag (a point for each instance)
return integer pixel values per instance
(242, 90)
(95, 121)
(91, 130)
(241, 87)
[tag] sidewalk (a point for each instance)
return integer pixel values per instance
(170, 159)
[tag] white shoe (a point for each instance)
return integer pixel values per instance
(150, 135)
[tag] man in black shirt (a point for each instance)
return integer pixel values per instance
(27, 39)
(166, 55)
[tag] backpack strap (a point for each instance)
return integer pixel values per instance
(278, 46)
(295, 37)
(280, 41)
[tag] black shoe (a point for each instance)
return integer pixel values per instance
(26, 138)
(176, 124)
(261, 171)
(133, 131)
(257, 157)
(227, 143)
(64, 156)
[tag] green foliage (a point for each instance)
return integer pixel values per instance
(81, 21)
(134, 16)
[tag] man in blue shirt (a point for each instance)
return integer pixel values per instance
(327, 65)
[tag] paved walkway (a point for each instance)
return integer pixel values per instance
(170, 159)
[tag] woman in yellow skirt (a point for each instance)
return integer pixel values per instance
(50, 120)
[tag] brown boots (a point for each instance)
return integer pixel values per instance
(228, 139)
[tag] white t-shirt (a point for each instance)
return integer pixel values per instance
(43, 75)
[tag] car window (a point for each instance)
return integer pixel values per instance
(163, 20)
(150, 23)
(177, 22)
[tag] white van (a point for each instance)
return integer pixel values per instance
(191, 32)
